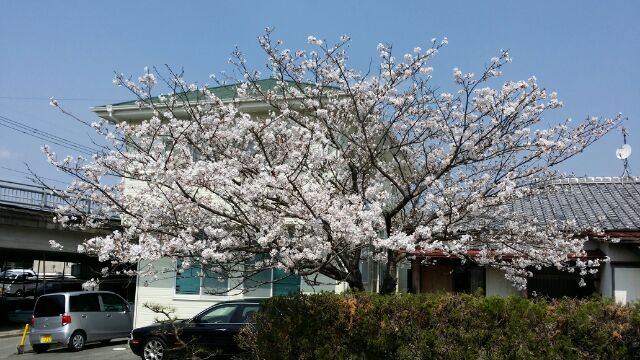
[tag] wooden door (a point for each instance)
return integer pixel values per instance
(437, 278)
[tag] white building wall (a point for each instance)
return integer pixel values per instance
(606, 280)
(626, 284)
(160, 289)
(620, 277)
(497, 285)
(620, 252)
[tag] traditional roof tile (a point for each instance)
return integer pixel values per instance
(609, 203)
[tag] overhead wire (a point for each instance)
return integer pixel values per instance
(31, 174)
(43, 135)
(47, 99)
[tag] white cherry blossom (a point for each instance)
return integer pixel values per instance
(339, 164)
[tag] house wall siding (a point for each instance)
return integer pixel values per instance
(159, 288)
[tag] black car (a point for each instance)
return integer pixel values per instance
(213, 330)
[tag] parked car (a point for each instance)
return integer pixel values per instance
(13, 273)
(19, 285)
(75, 318)
(51, 286)
(213, 330)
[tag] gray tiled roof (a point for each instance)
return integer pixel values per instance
(610, 203)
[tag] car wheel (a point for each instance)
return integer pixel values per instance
(153, 349)
(40, 348)
(77, 341)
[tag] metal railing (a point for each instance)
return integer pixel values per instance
(37, 197)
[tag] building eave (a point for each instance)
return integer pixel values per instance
(135, 113)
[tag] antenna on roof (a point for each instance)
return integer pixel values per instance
(623, 154)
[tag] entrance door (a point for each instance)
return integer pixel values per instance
(437, 278)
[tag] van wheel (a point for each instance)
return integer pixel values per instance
(153, 349)
(77, 341)
(40, 348)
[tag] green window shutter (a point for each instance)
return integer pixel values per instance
(188, 280)
(285, 283)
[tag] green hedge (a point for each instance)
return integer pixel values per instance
(441, 326)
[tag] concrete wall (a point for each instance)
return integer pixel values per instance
(29, 238)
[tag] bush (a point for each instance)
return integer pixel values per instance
(441, 326)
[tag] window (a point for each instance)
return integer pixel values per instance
(84, 303)
(556, 284)
(248, 312)
(258, 284)
(218, 315)
(188, 280)
(113, 303)
(198, 281)
(49, 305)
(364, 270)
(285, 283)
(269, 282)
(215, 282)
(196, 155)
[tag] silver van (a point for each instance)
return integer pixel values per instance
(75, 318)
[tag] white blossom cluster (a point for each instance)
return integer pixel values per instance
(338, 162)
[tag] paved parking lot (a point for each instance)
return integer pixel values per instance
(116, 349)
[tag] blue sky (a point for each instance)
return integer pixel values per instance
(587, 51)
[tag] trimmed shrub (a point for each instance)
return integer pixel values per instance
(441, 326)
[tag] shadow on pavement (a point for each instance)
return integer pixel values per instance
(93, 345)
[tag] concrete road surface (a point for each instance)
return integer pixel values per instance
(116, 350)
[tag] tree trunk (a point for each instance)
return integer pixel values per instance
(355, 281)
(389, 280)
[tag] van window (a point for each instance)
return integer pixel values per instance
(49, 305)
(84, 303)
(112, 302)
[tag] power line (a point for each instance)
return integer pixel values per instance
(30, 174)
(47, 99)
(43, 135)
(46, 139)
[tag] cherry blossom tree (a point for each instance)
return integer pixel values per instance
(340, 165)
